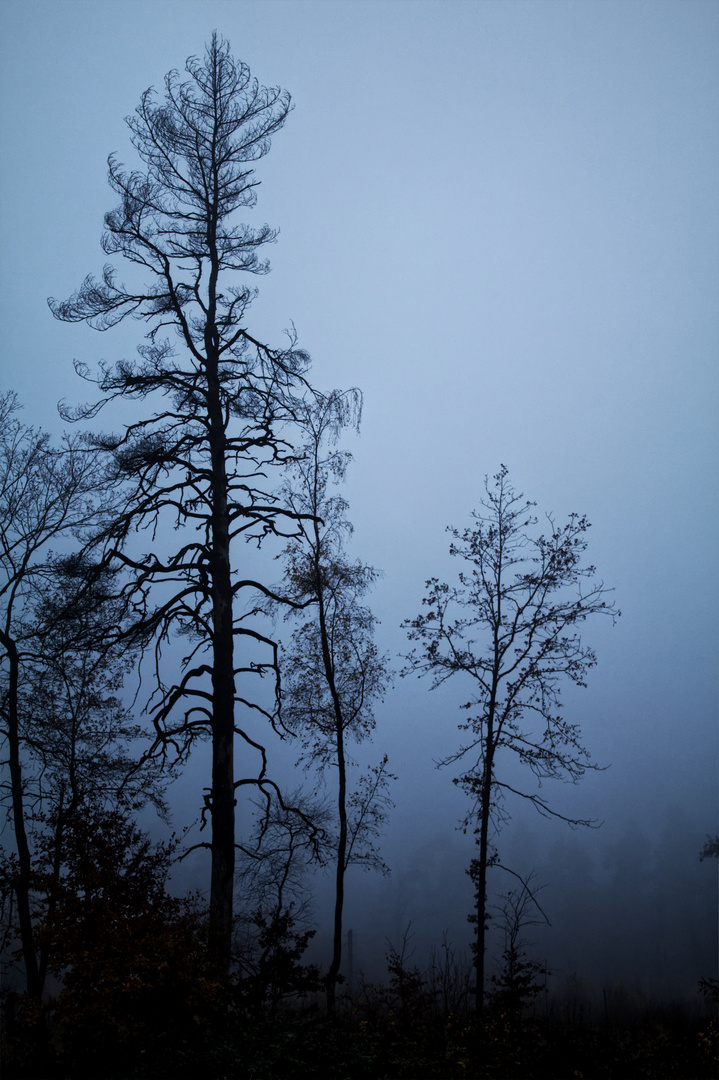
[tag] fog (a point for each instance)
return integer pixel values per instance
(500, 221)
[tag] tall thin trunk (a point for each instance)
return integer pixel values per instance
(485, 815)
(52, 894)
(223, 721)
(222, 876)
(340, 868)
(24, 877)
(339, 876)
(482, 884)
(489, 748)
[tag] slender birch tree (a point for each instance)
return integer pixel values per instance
(333, 673)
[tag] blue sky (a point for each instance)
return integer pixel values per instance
(500, 219)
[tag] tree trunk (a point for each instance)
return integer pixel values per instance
(22, 883)
(52, 894)
(328, 662)
(339, 877)
(223, 692)
(489, 749)
(482, 889)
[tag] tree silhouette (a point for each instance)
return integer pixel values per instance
(80, 740)
(510, 630)
(128, 954)
(47, 495)
(332, 671)
(200, 461)
(274, 930)
(520, 979)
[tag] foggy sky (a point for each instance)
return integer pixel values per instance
(500, 220)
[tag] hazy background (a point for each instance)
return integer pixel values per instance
(500, 220)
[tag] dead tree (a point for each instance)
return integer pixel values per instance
(222, 400)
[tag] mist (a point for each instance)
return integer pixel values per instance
(501, 222)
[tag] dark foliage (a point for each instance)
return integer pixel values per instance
(63, 728)
(181, 1025)
(275, 972)
(129, 959)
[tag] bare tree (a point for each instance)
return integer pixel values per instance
(200, 461)
(274, 925)
(510, 630)
(333, 673)
(520, 979)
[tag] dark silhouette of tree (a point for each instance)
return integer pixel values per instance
(200, 461)
(47, 495)
(79, 731)
(80, 741)
(510, 630)
(66, 732)
(274, 861)
(520, 979)
(128, 954)
(332, 671)
(274, 924)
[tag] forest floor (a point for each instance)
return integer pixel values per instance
(377, 1041)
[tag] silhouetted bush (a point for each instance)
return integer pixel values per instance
(155, 1013)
